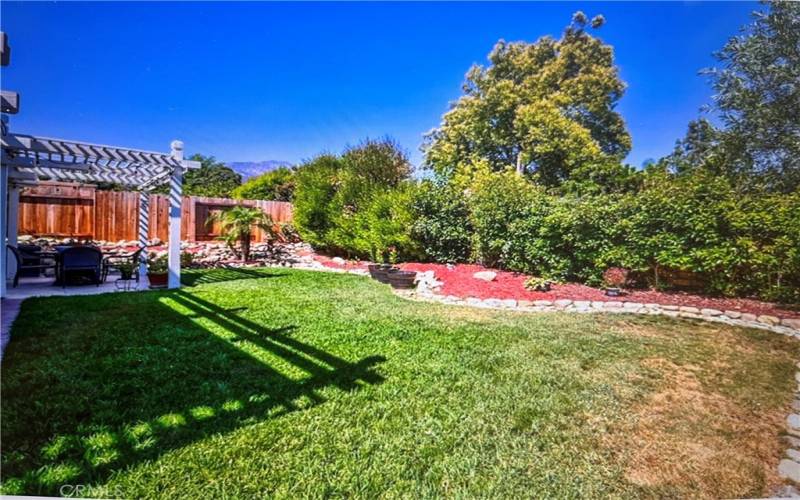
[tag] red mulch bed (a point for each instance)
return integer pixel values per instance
(459, 282)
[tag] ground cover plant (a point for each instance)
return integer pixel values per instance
(289, 383)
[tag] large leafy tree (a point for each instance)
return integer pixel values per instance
(545, 108)
(701, 147)
(213, 178)
(757, 89)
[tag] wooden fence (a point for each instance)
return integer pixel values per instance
(81, 211)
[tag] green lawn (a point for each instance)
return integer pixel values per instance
(293, 383)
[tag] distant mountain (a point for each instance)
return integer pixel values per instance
(249, 169)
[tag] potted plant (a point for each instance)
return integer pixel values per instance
(615, 279)
(379, 271)
(537, 284)
(157, 271)
(125, 270)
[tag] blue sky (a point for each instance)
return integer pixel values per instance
(284, 81)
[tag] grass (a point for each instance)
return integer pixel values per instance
(289, 383)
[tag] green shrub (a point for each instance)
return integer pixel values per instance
(357, 204)
(384, 226)
(441, 222)
(276, 185)
(504, 209)
(315, 188)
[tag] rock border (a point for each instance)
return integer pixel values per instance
(789, 467)
(427, 285)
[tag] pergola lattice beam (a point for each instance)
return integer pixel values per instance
(79, 152)
(65, 160)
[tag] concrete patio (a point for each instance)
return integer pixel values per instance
(44, 286)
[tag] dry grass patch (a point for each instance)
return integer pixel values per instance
(711, 426)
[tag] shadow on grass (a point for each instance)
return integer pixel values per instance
(147, 384)
(192, 277)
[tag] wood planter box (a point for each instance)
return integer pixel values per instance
(402, 279)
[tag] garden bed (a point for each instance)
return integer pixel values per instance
(458, 281)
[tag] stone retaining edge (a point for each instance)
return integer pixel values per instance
(787, 326)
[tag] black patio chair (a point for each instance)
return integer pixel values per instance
(83, 261)
(26, 262)
(112, 261)
(31, 256)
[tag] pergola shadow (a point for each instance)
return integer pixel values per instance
(192, 277)
(175, 383)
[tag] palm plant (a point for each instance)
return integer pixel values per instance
(237, 224)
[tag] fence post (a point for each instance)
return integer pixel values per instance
(175, 188)
(144, 226)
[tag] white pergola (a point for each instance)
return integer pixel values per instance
(27, 159)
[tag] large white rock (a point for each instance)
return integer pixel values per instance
(485, 275)
(789, 469)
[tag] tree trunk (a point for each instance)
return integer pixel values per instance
(520, 169)
(246, 247)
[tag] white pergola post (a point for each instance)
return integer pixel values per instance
(13, 215)
(3, 226)
(175, 188)
(144, 229)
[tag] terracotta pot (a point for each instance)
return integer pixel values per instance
(158, 280)
(402, 279)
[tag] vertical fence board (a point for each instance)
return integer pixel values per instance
(68, 210)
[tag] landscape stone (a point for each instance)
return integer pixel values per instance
(787, 491)
(789, 469)
(524, 303)
(670, 308)
(543, 302)
(582, 304)
(710, 312)
(791, 323)
(632, 305)
(614, 303)
(748, 317)
(485, 275)
(733, 314)
(770, 320)
(689, 309)
(793, 454)
(793, 420)
(562, 302)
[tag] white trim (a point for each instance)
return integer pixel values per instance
(175, 188)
